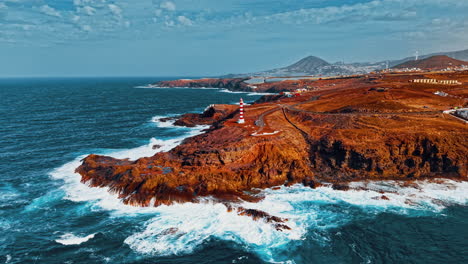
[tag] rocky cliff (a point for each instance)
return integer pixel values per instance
(233, 84)
(394, 133)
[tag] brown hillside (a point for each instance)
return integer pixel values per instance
(350, 129)
(434, 62)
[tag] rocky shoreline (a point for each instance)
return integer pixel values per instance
(396, 133)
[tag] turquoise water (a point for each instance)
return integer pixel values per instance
(48, 216)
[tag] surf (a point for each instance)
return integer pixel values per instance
(182, 229)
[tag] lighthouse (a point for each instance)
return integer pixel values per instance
(241, 112)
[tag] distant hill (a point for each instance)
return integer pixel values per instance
(313, 65)
(307, 64)
(434, 62)
(458, 55)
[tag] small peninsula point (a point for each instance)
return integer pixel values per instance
(331, 131)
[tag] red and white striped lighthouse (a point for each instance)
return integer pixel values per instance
(241, 112)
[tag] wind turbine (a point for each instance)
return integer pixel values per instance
(416, 55)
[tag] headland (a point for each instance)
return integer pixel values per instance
(315, 131)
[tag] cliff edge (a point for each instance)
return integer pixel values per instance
(367, 128)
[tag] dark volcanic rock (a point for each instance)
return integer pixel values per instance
(233, 84)
(212, 115)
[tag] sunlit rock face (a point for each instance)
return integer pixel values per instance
(367, 127)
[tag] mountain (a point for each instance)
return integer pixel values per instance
(313, 65)
(433, 62)
(308, 64)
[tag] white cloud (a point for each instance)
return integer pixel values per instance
(116, 10)
(384, 10)
(50, 11)
(169, 23)
(86, 2)
(87, 28)
(113, 17)
(75, 18)
(184, 20)
(87, 10)
(158, 12)
(168, 5)
(3, 10)
(414, 34)
(27, 27)
(441, 21)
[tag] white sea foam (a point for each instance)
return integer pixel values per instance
(175, 87)
(8, 193)
(253, 94)
(148, 86)
(234, 92)
(222, 90)
(101, 198)
(71, 239)
(182, 228)
(168, 123)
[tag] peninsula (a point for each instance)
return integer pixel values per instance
(382, 126)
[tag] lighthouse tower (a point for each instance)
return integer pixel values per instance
(241, 112)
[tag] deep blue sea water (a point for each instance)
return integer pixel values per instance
(48, 216)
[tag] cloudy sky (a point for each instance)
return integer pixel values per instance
(209, 37)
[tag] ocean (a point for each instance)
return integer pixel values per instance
(48, 216)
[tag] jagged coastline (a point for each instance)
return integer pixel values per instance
(344, 130)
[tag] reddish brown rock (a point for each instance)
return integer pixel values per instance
(340, 187)
(399, 134)
(434, 62)
(383, 197)
(210, 116)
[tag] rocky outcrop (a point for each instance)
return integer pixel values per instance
(223, 163)
(211, 116)
(226, 163)
(316, 145)
(236, 84)
(233, 84)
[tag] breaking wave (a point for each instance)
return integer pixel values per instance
(79, 192)
(253, 94)
(242, 92)
(233, 92)
(149, 86)
(183, 228)
(167, 124)
(71, 239)
(221, 90)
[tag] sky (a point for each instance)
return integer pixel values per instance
(213, 37)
